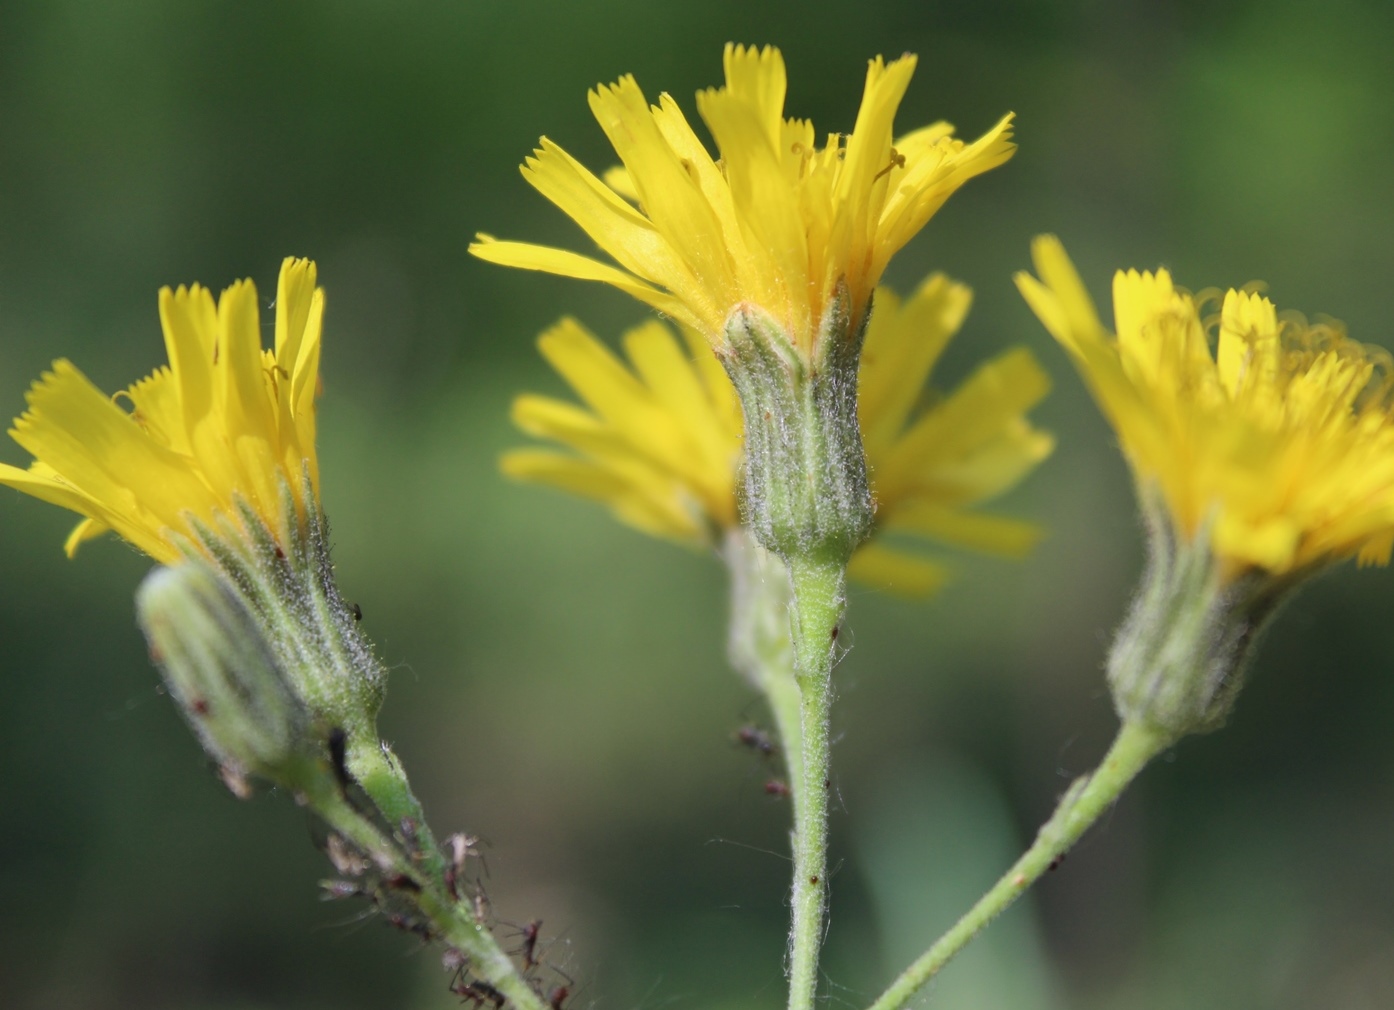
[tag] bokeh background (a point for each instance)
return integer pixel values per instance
(559, 682)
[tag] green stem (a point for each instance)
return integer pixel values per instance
(1084, 803)
(448, 919)
(817, 608)
(383, 778)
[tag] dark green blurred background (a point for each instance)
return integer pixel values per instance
(560, 687)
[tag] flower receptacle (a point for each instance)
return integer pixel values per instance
(257, 617)
(291, 589)
(804, 490)
(1179, 659)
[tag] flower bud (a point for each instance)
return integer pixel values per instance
(221, 671)
(758, 644)
(804, 490)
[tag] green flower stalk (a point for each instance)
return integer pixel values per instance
(660, 444)
(805, 498)
(1257, 464)
(771, 254)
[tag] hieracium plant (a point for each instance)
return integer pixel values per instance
(778, 421)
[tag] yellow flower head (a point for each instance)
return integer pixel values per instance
(659, 437)
(1280, 442)
(775, 222)
(224, 421)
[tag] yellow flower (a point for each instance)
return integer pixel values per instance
(1281, 442)
(224, 421)
(659, 438)
(775, 222)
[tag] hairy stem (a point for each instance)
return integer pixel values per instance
(1087, 799)
(448, 919)
(384, 779)
(816, 610)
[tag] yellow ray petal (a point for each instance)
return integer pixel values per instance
(526, 256)
(895, 572)
(669, 195)
(996, 392)
(864, 169)
(1247, 356)
(617, 178)
(669, 373)
(1060, 298)
(88, 529)
(189, 318)
(611, 390)
(902, 345)
(99, 450)
(991, 469)
(920, 191)
(757, 78)
(156, 407)
(619, 229)
(295, 291)
(1010, 538)
(767, 206)
(643, 505)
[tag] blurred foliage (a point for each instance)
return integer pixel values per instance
(561, 688)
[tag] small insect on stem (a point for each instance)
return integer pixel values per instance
(407, 925)
(529, 949)
(344, 857)
(401, 882)
(356, 611)
(756, 739)
(478, 993)
(777, 788)
(460, 846)
(454, 961)
(335, 890)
